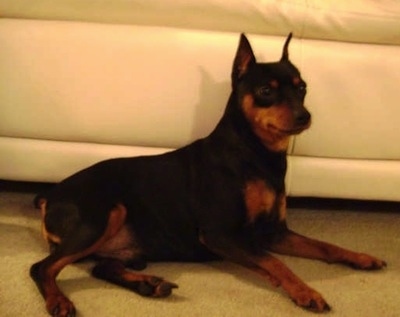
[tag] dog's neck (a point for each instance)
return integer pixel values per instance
(234, 132)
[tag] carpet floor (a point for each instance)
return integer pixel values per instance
(218, 288)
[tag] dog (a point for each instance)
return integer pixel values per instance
(221, 197)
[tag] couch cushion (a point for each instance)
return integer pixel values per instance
(112, 84)
(163, 87)
(368, 21)
(353, 97)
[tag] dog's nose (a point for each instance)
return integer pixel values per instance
(302, 117)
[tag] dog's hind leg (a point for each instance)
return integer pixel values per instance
(114, 271)
(81, 241)
(295, 244)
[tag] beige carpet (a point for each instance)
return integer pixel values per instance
(219, 288)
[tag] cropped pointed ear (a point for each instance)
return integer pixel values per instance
(285, 52)
(243, 59)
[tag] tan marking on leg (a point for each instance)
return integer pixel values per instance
(43, 214)
(115, 222)
(115, 272)
(282, 206)
(297, 245)
(48, 236)
(123, 246)
(270, 268)
(50, 290)
(303, 295)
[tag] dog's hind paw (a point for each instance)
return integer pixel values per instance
(156, 287)
(115, 272)
(60, 306)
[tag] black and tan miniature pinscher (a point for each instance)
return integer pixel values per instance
(220, 197)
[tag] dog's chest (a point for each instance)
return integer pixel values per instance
(261, 199)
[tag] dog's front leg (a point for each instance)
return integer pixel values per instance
(295, 244)
(268, 267)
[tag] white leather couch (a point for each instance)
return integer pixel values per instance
(85, 80)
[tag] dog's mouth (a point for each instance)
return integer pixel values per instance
(285, 131)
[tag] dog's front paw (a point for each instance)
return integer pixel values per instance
(60, 306)
(366, 262)
(310, 299)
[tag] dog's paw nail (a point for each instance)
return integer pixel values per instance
(313, 305)
(318, 306)
(327, 307)
(57, 312)
(165, 289)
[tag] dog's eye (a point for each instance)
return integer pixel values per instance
(302, 88)
(264, 91)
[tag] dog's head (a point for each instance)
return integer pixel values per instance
(270, 95)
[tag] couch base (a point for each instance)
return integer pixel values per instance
(344, 178)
